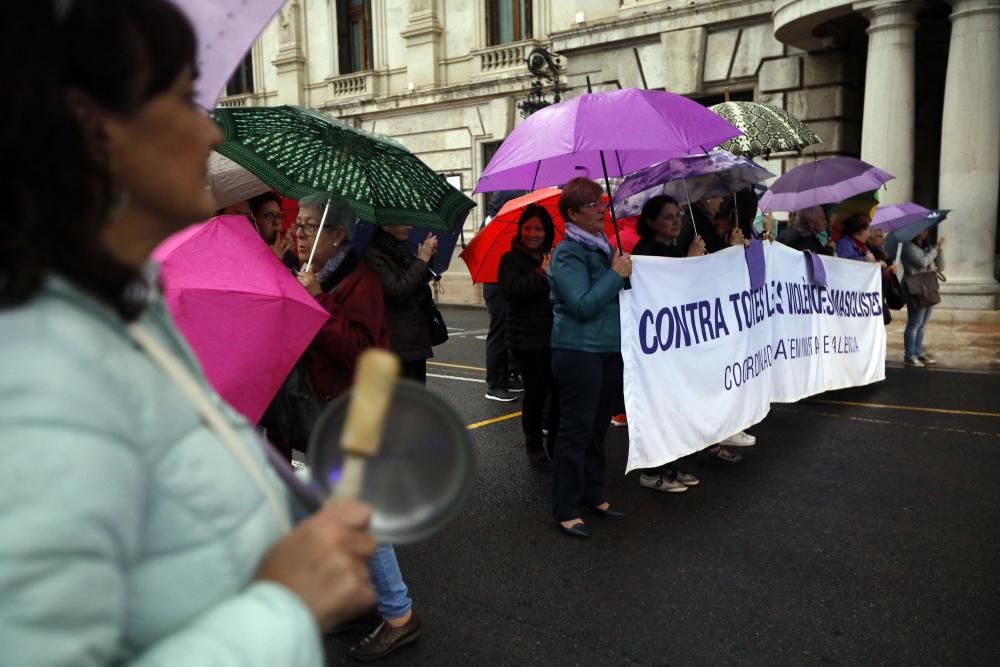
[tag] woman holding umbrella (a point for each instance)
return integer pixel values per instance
(139, 521)
(586, 277)
(919, 256)
(524, 285)
(352, 293)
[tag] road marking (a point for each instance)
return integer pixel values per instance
(895, 423)
(493, 421)
(454, 377)
(441, 363)
(911, 408)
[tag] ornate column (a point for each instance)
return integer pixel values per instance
(887, 128)
(970, 154)
(290, 61)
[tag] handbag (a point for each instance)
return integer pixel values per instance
(439, 330)
(893, 292)
(294, 410)
(923, 289)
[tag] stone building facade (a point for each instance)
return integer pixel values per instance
(912, 86)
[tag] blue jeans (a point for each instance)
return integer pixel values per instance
(913, 335)
(392, 597)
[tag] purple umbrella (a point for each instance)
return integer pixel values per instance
(225, 30)
(625, 130)
(688, 179)
(825, 181)
(897, 216)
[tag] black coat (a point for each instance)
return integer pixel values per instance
(529, 312)
(650, 246)
(795, 238)
(404, 281)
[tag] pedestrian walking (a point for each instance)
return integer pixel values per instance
(919, 256)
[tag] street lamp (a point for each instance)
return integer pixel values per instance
(544, 67)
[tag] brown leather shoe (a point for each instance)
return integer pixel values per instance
(386, 639)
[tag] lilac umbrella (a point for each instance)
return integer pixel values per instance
(897, 216)
(688, 179)
(225, 30)
(622, 130)
(825, 181)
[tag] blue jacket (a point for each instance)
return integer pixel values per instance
(128, 533)
(584, 299)
(848, 249)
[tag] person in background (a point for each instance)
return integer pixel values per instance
(351, 292)
(266, 211)
(139, 522)
(524, 285)
(854, 239)
(809, 232)
(406, 282)
(586, 276)
(919, 256)
(876, 246)
(659, 230)
(241, 207)
(502, 381)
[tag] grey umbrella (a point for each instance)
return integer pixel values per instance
(766, 129)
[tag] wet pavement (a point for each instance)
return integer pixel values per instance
(864, 527)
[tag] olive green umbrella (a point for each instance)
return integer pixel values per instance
(299, 152)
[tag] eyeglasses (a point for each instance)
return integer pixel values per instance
(306, 230)
(595, 205)
(269, 217)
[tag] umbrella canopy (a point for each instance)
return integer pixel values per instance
(231, 183)
(299, 151)
(717, 173)
(629, 129)
(482, 254)
(825, 181)
(245, 316)
(766, 129)
(897, 216)
(910, 232)
(225, 31)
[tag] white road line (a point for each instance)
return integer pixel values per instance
(455, 377)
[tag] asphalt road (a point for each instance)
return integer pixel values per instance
(864, 527)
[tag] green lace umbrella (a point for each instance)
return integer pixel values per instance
(299, 152)
(766, 129)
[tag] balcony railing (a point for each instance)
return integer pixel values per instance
(244, 100)
(504, 57)
(354, 84)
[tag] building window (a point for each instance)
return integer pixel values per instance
(242, 80)
(508, 21)
(354, 35)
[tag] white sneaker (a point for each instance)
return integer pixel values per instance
(661, 483)
(686, 478)
(741, 439)
(913, 361)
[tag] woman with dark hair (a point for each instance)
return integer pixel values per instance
(659, 229)
(586, 276)
(140, 521)
(854, 231)
(524, 283)
(405, 279)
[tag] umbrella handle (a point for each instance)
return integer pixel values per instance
(319, 231)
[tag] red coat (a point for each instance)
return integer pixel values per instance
(357, 322)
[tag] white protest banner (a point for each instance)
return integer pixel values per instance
(705, 356)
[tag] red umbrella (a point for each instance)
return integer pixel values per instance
(483, 253)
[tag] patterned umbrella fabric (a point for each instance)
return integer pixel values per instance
(825, 181)
(299, 152)
(484, 251)
(624, 130)
(245, 316)
(766, 129)
(717, 173)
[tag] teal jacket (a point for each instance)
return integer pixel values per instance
(128, 533)
(584, 299)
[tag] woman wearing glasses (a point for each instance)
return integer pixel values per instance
(586, 275)
(266, 211)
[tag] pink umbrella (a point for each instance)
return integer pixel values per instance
(244, 314)
(226, 30)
